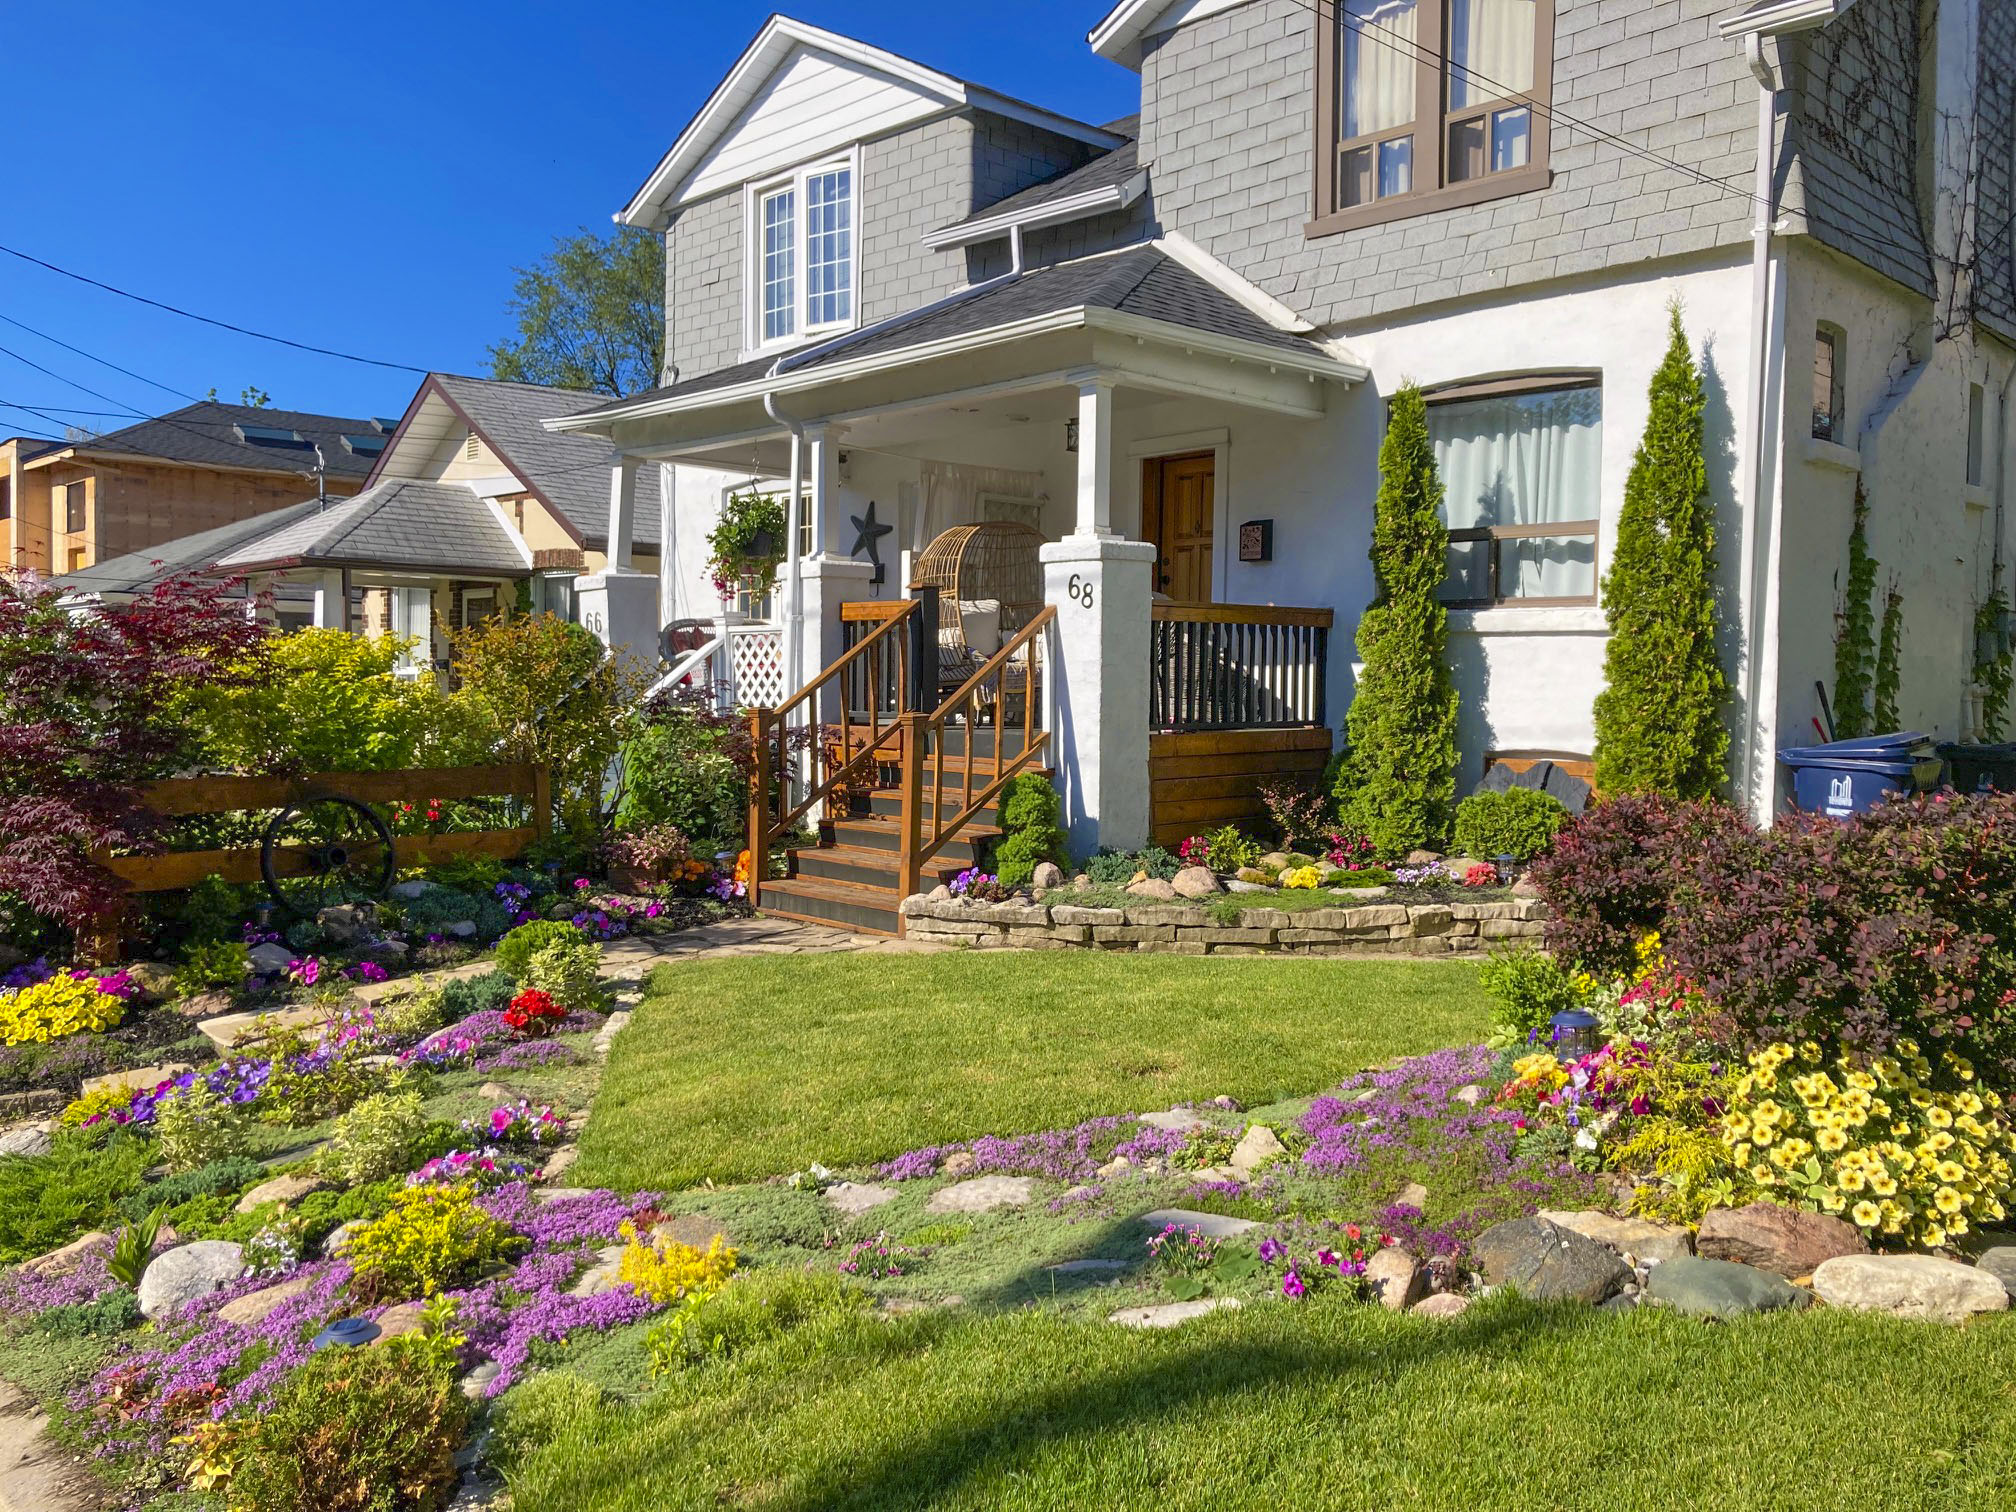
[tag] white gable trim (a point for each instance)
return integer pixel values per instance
(1131, 22)
(928, 91)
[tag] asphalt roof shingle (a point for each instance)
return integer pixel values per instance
(433, 527)
(571, 472)
(138, 571)
(1108, 170)
(210, 434)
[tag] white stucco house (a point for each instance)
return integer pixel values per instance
(1152, 355)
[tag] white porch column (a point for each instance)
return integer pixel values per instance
(1101, 587)
(620, 604)
(822, 486)
(332, 604)
(1095, 457)
(830, 577)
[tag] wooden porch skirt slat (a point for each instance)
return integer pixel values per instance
(1210, 778)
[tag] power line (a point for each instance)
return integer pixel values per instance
(299, 346)
(58, 341)
(129, 411)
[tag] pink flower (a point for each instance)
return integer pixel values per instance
(1292, 1285)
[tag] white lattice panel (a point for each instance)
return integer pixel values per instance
(756, 658)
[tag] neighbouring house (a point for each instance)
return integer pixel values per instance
(471, 508)
(75, 503)
(1149, 359)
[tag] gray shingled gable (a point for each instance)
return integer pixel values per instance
(1104, 172)
(570, 472)
(433, 527)
(204, 434)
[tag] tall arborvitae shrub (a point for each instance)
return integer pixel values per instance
(1398, 784)
(1855, 641)
(1659, 717)
(1889, 663)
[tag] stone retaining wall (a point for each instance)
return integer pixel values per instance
(1359, 929)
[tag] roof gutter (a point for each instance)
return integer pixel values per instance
(1057, 212)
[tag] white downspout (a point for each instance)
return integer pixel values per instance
(794, 578)
(1757, 772)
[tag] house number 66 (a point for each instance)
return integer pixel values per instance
(1080, 589)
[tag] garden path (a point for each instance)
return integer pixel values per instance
(36, 1474)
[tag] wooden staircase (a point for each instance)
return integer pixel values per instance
(909, 795)
(852, 878)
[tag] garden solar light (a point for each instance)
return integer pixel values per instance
(1576, 1034)
(345, 1333)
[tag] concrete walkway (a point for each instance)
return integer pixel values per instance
(37, 1474)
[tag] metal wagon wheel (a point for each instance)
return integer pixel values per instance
(323, 851)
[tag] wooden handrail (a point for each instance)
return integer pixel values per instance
(926, 732)
(859, 611)
(766, 725)
(1243, 614)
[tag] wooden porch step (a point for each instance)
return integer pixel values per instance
(868, 866)
(845, 905)
(884, 837)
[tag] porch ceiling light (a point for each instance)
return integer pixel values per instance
(1071, 434)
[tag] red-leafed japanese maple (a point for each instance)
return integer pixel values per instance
(87, 705)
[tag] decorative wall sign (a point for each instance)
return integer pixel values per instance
(868, 534)
(1256, 541)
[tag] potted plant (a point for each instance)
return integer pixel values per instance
(746, 544)
(640, 860)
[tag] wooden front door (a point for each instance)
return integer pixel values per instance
(1176, 513)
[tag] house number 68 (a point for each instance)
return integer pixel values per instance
(1080, 589)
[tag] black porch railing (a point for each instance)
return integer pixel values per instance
(1237, 667)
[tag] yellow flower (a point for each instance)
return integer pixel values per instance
(1938, 1117)
(1947, 1200)
(1866, 1214)
(1831, 1140)
(1851, 1180)
(1883, 1185)
(1934, 1235)
(1950, 1171)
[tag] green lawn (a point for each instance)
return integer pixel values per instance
(1326, 1404)
(739, 1069)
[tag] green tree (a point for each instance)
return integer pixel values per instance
(590, 314)
(1855, 642)
(1659, 722)
(1398, 784)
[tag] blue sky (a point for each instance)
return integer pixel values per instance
(366, 177)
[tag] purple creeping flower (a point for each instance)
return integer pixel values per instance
(27, 974)
(24, 1292)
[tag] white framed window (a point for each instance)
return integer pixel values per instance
(802, 253)
(413, 619)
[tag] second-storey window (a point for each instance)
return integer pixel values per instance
(73, 508)
(1425, 103)
(1521, 463)
(802, 254)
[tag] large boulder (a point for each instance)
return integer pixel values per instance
(1195, 882)
(1152, 887)
(1628, 1236)
(1048, 874)
(1782, 1240)
(1256, 1147)
(1910, 1286)
(1396, 1277)
(281, 1189)
(250, 1310)
(1548, 1262)
(187, 1272)
(1720, 1288)
(2000, 1262)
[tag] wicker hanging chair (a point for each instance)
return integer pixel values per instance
(989, 579)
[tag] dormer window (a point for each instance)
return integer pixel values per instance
(801, 241)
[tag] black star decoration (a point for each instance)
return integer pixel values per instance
(867, 533)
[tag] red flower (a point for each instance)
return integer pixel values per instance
(533, 1014)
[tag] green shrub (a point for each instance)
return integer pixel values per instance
(413, 1014)
(1031, 833)
(438, 907)
(429, 1239)
(1400, 781)
(375, 1139)
(515, 950)
(211, 963)
(1365, 876)
(1111, 868)
(48, 1200)
(1527, 988)
(1658, 719)
(196, 1128)
(227, 1175)
(752, 1309)
(490, 992)
(473, 876)
(355, 1430)
(687, 768)
(1231, 850)
(210, 912)
(113, 1313)
(569, 971)
(1519, 822)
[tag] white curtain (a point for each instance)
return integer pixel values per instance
(1379, 62)
(1490, 50)
(1525, 459)
(949, 494)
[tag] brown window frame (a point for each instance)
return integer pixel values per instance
(1528, 383)
(76, 509)
(6, 498)
(1835, 415)
(1433, 189)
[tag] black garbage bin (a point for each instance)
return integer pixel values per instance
(1847, 777)
(1981, 768)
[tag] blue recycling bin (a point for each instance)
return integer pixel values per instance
(1847, 777)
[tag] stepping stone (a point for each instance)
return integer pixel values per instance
(856, 1198)
(251, 1310)
(1442, 1305)
(36, 1473)
(1177, 1120)
(336, 1238)
(602, 1276)
(695, 1230)
(232, 1031)
(1210, 1225)
(1169, 1314)
(1720, 1288)
(1910, 1286)
(60, 1262)
(280, 1189)
(478, 1380)
(983, 1194)
(1413, 1195)
(560, 1194)
(183, 1274)
(1076, 1267)
(559, 1163)
(397, 1322)
(26, 1140)
(139, 1079)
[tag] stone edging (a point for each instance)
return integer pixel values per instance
(1361, 930)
